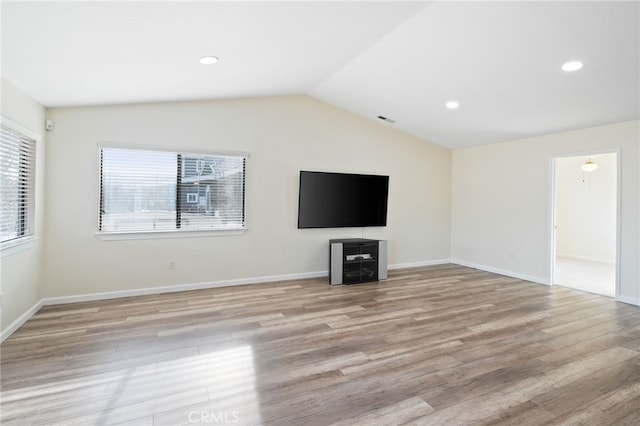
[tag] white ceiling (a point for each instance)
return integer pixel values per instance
(402, 60)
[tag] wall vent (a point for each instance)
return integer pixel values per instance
(388, 120)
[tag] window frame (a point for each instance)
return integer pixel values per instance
(166, 233)
(26, 241)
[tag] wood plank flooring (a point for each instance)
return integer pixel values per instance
(440, 345)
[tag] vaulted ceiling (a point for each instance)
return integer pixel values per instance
(501, 61)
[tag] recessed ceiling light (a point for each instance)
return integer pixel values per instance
(572, 66)
(452, 104)
(208, 60)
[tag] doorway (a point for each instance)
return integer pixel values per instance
(585, 222)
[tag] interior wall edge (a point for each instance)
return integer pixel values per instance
(18, 322)
(629, 300)
(499, 271)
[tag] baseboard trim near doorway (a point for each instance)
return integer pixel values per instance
(629, 300)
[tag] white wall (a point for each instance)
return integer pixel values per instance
(501, 202)
(283, 136)
(21, 272)
(586, 208)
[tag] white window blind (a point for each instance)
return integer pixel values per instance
(17, 192)
(146, 191)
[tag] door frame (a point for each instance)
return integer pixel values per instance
(552, 212)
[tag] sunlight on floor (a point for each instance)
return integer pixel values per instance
(217, 387)
(229, 378)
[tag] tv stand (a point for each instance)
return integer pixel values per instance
(357, 260)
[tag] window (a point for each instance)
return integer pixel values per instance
(155, 191)
(17, 190)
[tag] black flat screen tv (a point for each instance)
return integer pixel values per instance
(339, 200)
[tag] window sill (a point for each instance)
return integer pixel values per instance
(12, 247)
(147, 235)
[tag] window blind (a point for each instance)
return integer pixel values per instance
(146, 191)
(17, 191)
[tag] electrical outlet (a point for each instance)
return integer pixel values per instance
(171, 264)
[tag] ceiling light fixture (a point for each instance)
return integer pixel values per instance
(452, 104)
(208, 60)
(589, 166)
(572, 66)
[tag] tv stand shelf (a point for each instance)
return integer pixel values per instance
(357, 260)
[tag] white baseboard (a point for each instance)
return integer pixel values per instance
(180, 287)
(213, 284)
(629, 300)
(532, 278)
(21, 320)
(419, 264)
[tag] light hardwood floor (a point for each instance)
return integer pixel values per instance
(441, 345)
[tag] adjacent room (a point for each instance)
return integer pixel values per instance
(320, 213)
(586, 231)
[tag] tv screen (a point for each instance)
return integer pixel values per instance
(338, 200)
